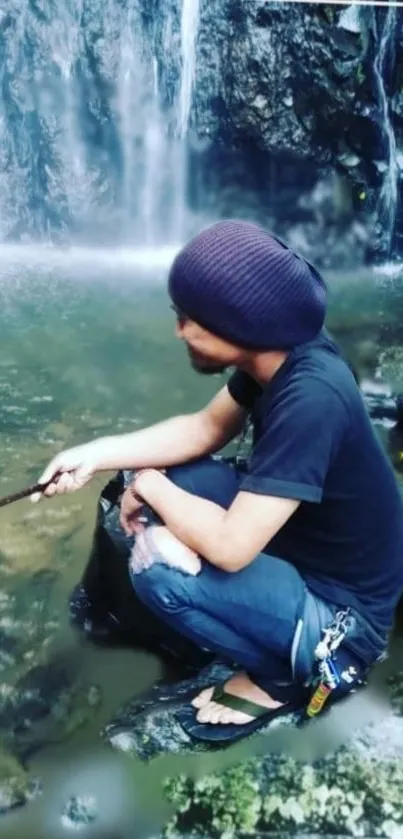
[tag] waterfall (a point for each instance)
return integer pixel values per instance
(384, 59)
(94, 117)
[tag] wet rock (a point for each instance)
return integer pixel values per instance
(289, 92)
(48, 705)
(264, 60)
(79, 812)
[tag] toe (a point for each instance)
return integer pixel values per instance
(208, 712)
(227, 715)
(202, 698)
(215, 713)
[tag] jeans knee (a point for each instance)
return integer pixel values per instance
(161, 588)
(209, 478)
(189, 475)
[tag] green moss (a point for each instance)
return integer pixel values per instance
(343, 795)
(360, 75)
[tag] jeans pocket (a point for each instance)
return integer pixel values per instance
(362, 639)
(316, 615)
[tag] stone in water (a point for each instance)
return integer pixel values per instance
(79, 811)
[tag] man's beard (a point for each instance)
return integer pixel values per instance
(204, 365)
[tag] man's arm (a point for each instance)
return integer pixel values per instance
(167, 443)
(178, 439)
(229, 539)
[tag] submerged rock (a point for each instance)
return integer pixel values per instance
(79, 812)
(46, 706)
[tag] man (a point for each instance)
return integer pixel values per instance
(305, 544)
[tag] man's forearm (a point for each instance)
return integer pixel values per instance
(167, 443)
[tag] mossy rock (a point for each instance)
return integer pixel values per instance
(343, 795)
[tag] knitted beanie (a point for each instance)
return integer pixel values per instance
(244, 285)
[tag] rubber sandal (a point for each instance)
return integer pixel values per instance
(230, 732)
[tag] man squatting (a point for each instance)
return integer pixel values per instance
(253, 563)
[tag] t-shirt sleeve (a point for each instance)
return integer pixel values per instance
(243, 389)
(305, 425)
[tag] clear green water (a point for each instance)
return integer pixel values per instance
(88, 352)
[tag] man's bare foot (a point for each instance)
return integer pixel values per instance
(241, 686)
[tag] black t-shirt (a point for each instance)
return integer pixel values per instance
(313, 441)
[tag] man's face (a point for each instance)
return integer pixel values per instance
(208, 353)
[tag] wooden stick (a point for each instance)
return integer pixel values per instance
(23, 493)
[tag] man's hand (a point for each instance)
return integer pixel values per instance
(130, 511)
(70, 470)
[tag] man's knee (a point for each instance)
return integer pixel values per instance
(208, 478)
(161, 588)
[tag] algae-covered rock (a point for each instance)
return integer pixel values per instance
(15, 786)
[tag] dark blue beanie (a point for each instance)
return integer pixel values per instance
(245, 285)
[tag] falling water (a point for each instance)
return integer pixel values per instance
(189, 27)
(94, 120)
(384, 59)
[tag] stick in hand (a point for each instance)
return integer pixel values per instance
(23, 493)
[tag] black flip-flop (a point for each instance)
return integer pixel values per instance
(230, 732)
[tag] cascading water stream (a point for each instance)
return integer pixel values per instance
(388, 198)
(189, 27)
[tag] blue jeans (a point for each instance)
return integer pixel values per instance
(262, 618)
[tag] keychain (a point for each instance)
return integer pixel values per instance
(328, 679)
